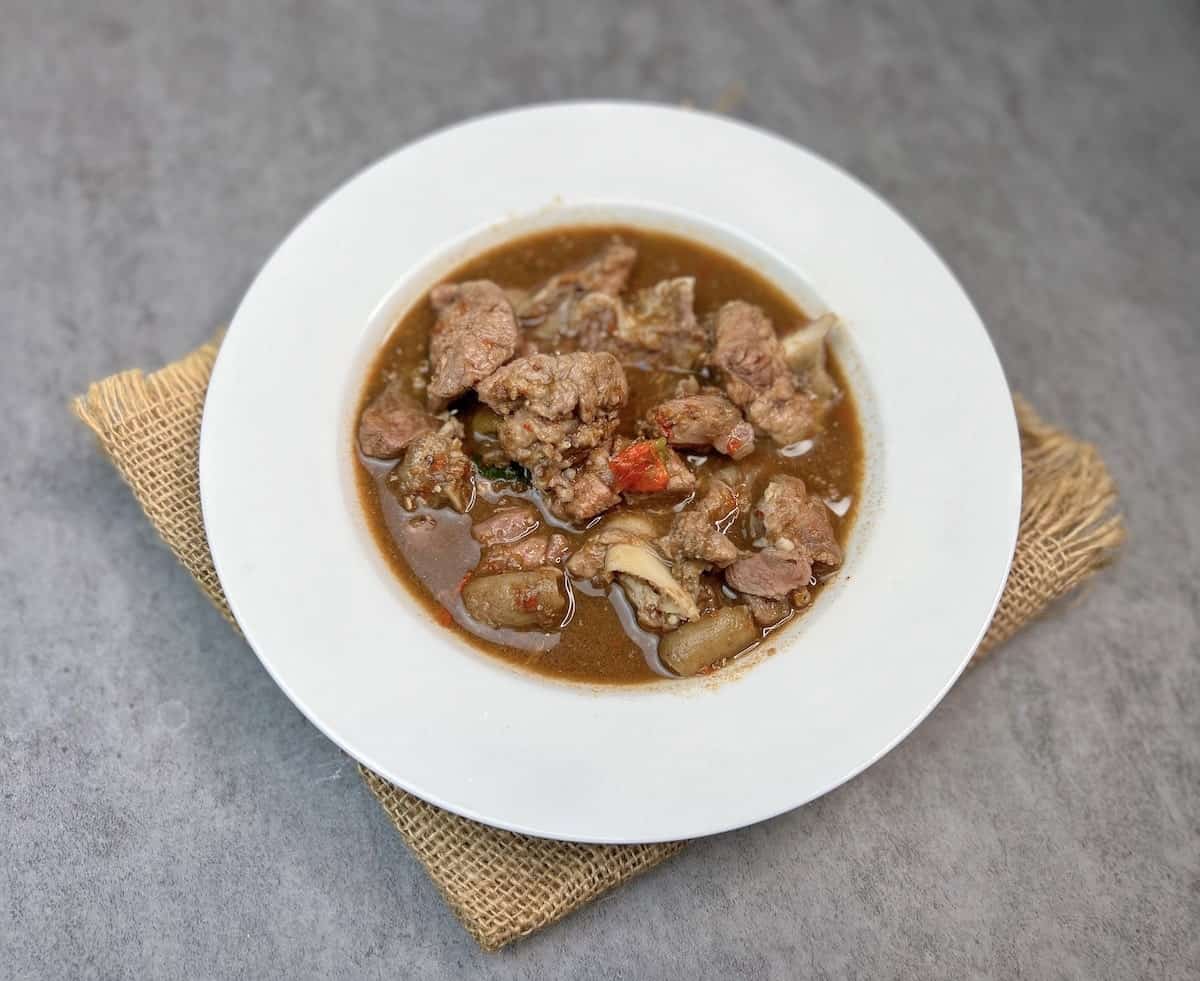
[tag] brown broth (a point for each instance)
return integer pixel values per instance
(601, 642)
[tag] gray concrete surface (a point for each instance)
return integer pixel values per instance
(165, 812)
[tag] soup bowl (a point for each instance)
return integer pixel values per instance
(820, 701)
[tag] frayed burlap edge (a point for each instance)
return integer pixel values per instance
(500, 885)
(1069, 524)
(149, 427)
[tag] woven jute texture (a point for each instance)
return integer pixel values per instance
(502, 885)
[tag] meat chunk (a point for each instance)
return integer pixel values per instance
(701, 421)
(474, 334)
(589, 386)
(746, 351)
(690, 575)
(697, 532)
(506, 525)
(550, 445)
(744, 480)
(657, 327)
(435, 472)
(558, 417)
(719, 504)
(661, 327)
(392, 421)
(798, 533)
(517, 600)
(567, 460)
(529, 553)
(784, 414)
(697, 543)
(587, 491)
(793, 519)
(767, 612)
(757, 377)
(680, 479)
(772, 572)
(606, 272)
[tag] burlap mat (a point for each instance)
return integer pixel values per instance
(501, 885)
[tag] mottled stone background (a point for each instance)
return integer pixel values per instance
(166, 813)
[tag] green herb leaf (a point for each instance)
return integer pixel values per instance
(513, 473)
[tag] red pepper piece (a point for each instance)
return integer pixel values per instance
(640, 467)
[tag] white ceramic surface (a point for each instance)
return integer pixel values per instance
(350, 647)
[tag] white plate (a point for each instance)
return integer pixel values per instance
(350, 647)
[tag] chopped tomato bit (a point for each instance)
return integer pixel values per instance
(444, 617)
(641, 467)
